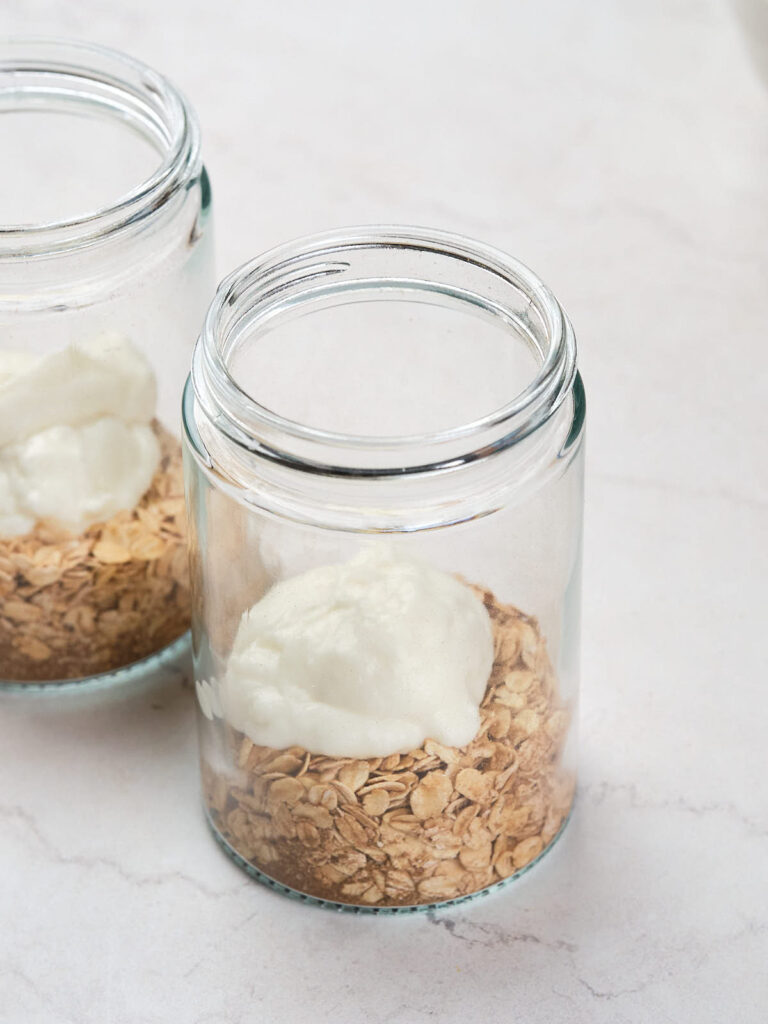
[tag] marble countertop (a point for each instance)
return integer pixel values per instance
(621, 150)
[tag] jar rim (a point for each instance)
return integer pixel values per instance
(258, 429)
(136, 95)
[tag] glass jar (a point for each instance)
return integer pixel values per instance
(105, 271)
(384, 463)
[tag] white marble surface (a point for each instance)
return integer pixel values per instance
(621, 149)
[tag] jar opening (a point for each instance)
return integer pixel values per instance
(93, 142)
(422, 361)
(382, 351)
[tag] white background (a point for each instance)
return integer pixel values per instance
(620, 149)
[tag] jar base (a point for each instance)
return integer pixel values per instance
(354, 908)
(124, 676)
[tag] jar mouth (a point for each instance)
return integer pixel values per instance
(379, 260)
(44, 73)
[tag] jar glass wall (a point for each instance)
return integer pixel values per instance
(105, 272)
(384, 459)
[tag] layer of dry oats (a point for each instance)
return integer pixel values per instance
(433, 824)
(73, 606)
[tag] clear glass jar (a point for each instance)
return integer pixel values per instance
(105, 273)
(384, 462)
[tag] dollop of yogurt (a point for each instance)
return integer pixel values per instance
(361, 659)
(76, 437)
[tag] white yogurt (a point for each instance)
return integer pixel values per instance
(76, 441)
(362, 659)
